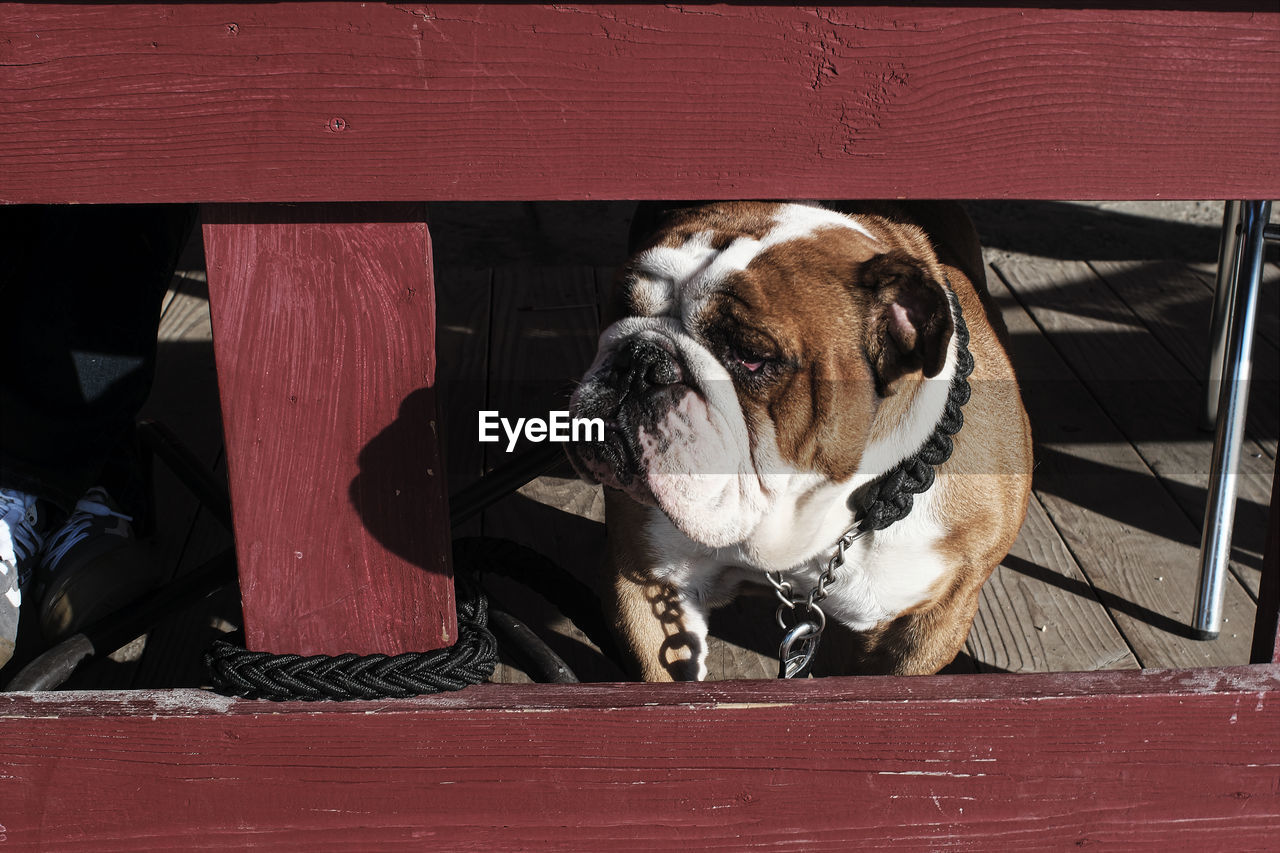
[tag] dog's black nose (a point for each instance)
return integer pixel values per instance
(664, 371)
(641, 364)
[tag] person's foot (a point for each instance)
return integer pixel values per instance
(21, 541)
(91, 567)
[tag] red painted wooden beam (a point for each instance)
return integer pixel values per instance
(324, 333)
(360, 101)
(1180, 760)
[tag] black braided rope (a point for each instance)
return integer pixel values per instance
(260, 675)
(890, 498)
(484, 556)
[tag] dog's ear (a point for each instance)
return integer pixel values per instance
(909, 326)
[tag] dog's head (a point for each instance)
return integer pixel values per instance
(765, 349)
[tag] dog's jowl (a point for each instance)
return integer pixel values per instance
(813, 397)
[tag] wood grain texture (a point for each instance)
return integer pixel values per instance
(1038, 613)
(1175, 301)
(355, 101)
(1128, 535)
(1120, 760)
(1152, 399)
(324, 330)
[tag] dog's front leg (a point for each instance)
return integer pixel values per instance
(663, 628)
(660, 623)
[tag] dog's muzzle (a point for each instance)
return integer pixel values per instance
(633, 388)
(641, 366)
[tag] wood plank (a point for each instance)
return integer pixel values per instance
(544, 332)
(462, 328)
(1269, 298)
(462, 342)
(1037, 612)
(1128, 535)
(324, 329)
(1175, 302)
(1152, 399)
(1266, 630)
(224, 102)
(1123, 760)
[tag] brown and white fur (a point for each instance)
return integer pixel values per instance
(768, 361)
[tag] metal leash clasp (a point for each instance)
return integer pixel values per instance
(800, 642)
(797, 649)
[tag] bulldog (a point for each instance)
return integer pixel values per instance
(814, 399)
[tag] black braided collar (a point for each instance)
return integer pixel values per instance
(889, 497)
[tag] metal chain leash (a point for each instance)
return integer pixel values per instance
(804, 627)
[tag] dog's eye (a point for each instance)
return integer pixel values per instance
(751, 355)
(750, 361)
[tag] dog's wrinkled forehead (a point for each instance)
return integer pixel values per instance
(678, 276)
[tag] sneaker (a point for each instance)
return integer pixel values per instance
(20, 545)
(91, 566)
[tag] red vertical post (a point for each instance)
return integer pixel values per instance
(324, 335)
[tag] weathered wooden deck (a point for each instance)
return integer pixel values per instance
(1108, 309)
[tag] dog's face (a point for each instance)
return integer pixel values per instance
(767, 349)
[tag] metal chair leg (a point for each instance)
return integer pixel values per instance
(1240, 303)
(1223, 290)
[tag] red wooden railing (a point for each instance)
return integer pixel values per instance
(324, 334)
